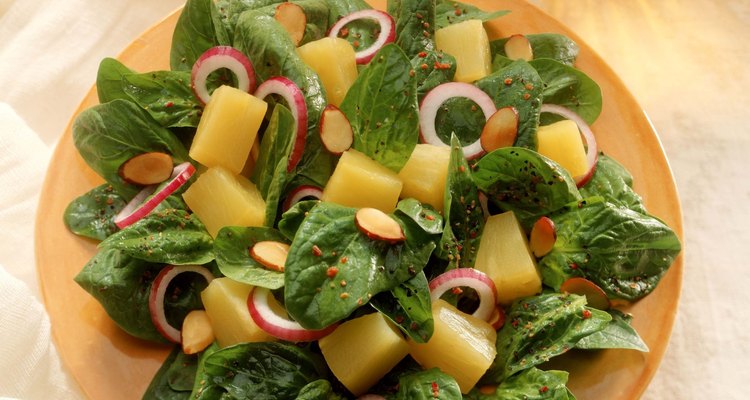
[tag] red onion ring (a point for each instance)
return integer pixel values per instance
(387, 31)
(299, 193)
(468, 277)
(221, 57)
(279, 326)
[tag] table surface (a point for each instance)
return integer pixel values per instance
(686, 63)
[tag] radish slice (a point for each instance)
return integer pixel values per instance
(159, 290)
(221, 57)
(387, 31)
(294, 97)
(299, 193)
(592, 151)
(467, 277)
(139, 207)
(440, 94)
(279, 326)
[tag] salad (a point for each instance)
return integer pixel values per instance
(324, 201)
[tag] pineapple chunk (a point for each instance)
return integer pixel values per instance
(227, 129)
(225, 301)
(362, 350)
(505, 256)
(425, 173)
(359, 181)
(467, 41)
(462, 346)
(220, 198)
(561, 142)
(333, 59)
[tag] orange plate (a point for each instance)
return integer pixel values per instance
(109, 364)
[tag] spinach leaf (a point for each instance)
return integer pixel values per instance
(316, 15)
(464, 219)
(107, 135)
(174, 380)
(529, 384)
(422, 214)
(517, 85)
(260, 37)
(318, 390)
(408, 305)
(169, 237)
(193, 34)
(618, 334)
(259, 371)
(109, 80)
(613, 182)
(92, 214)
(122, 283)
(166, 95)
(361, 33)
(461, 117)
(292, 219)
(232, 247)
(544, 45)
(451, 12)
(540, 327)
(624, 252)
(382, 108)
(525, 182)
(329, 238)
(429, 384)
(570, 88)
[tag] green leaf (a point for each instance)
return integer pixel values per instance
(170, 237)
(92, 214)
(318, 390)
(618, 334)
(232, 247)
(292, 219)
(543, 45)
(529, 384)
(540, 327)
(166, 95)
(107, 135)
(328, 237)
(613, 182)
(525, 182)
(423, 215)
(193, 34)
(570, 88)
(362, 31)
(382, 108)
(451, 12)
(408, 305)
(174, 380)
(109, 80)
(625, 252)
(428, 385)
(262, 371)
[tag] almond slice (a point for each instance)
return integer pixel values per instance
(292, 17)
(518, 47)
(500, 130)
(378, 225)
(335, 130)
(147, 168)
(270, 254)
(595, 296)
(197, 332)
(543, 237)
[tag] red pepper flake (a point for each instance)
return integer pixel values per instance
(426, 34)
(344, 295)
(344, 259)
(355, 44)
(526, 96)
(435, 390)
(543, 389)
(412, 73)
(422, 54)
(457, 12)
(461, 168)
(344, 32)
(508, 81)
(331, 272)
(426, 25)
(169, 104)
(573, 266)
(456, 291)
(586, 314)
(442, 65)
(419, 16)
(429, 217)
(399, 319)
(515, 323)
(316, 251)
(529, 86)
(342, 283)
(423, 66)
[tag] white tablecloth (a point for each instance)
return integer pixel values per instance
(686, 62)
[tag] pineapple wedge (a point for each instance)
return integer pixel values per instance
(334, 61)
(425, 173)
(467, 41)
(561, 142)
(225, 301)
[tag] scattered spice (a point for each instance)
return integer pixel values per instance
(331, 272)
(316, 251)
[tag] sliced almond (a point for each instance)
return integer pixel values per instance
(378, 225)
(543, 237)
(500, 130)
(147, 168)
(518, 47)
(335, 130)
(595, 296)
(292, 17)
(270, 254)
(197, 332)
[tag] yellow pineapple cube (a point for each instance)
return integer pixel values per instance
(505, 256)
(362, 350)
(227, 129)
(359, 181)
(333, 59)
(467, 41)
(561, 142)
(221, 198)
(425, 173)
(225, 301)
(462, 346)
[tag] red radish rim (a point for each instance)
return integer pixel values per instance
(295, 99)
(387, 31)
(216, 58)
(159, 290)
(592, 150)
(467, 277)
(299, 193)
(139, 207)
(278, 326)
(440, 94)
